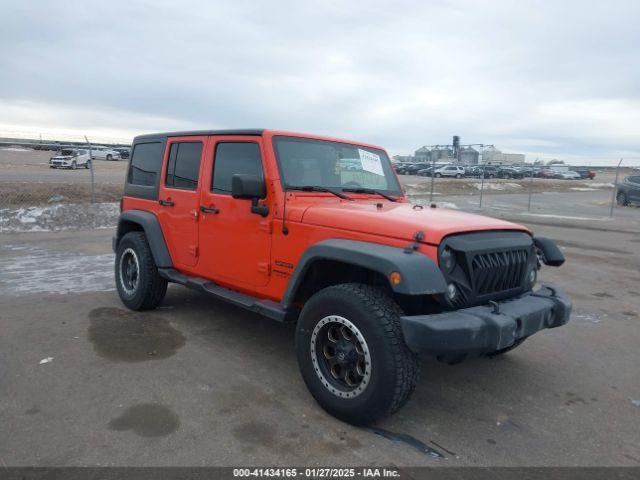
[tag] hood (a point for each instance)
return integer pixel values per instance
(401, 220)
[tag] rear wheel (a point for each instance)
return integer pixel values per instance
(458, 176)
(87, 165)
(139, 285)
(109, 157)
(352, 354)
(438, 175)
(622, 199)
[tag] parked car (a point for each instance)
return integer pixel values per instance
(124, 152)
(425, 172)
(104, 153)
(401, 168)
(510, 172)
(568, 175)
(70, 158)
(628, 191)
(546, 173)
(450, 171)
(369, 287)
(586, 174)
(414, 168)
(477, 171)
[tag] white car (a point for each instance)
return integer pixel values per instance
(104, 153)
(570, 175)
(71, 158)
(450, 171)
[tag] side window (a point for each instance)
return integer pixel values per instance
(231, 158)
(146, 161)
(183, 167)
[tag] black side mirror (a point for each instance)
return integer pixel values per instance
(250, 187)
(247, 186)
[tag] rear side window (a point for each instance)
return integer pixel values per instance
(183, 166)
(146, 161)
(232, 158)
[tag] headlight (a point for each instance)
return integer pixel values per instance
(447, 260)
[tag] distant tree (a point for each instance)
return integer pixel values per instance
(555, 162)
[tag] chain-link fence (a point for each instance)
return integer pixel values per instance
(541, 190)
(64, 187)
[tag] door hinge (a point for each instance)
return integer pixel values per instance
(264, 267)
(193, 250)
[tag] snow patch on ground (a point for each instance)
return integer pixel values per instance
(15, 149)
(545, 215)
(36, 270)
(69, 216)
(497, 186)
(585, 189)
(447, 205)
(599, 185)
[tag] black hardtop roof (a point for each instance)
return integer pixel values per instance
(193, 133)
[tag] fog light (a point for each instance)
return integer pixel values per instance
(533, 276)
(452, 291)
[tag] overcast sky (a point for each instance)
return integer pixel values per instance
(546, 78)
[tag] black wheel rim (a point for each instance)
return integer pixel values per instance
(340, 356)
(129, 271)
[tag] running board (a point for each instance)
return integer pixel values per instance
(268, 308)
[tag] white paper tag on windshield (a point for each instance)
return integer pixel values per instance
(371, 162)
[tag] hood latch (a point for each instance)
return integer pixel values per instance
(417, 238)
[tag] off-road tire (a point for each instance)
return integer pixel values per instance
(151, 287)
(621, 198)
(502, 351)
(394, 369)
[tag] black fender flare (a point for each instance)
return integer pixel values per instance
(420, 275)
(153, 231)
(551, 254)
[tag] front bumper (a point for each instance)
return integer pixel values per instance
(486, 328)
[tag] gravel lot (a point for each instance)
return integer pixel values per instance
(198, 382)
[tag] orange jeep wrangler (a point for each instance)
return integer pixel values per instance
(317, 231)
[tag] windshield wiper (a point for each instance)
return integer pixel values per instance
(314, 188)
(370, 190)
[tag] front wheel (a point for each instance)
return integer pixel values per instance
(87, 165)
(438, 175)
(352, 354)
(139, 285)
(109, 157)
(622, 199)
(74, 165)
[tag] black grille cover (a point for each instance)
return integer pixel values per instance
(489, 266)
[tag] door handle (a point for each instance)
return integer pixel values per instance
(213, 210)
(166, 203)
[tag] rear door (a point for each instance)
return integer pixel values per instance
(634, 188)
(179, 198)
(235, 243)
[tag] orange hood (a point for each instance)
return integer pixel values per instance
(400, 220)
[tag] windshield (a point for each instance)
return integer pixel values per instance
(68, 152)
(307, 162)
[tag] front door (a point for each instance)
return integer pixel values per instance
(179, 198)
(235, 243)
